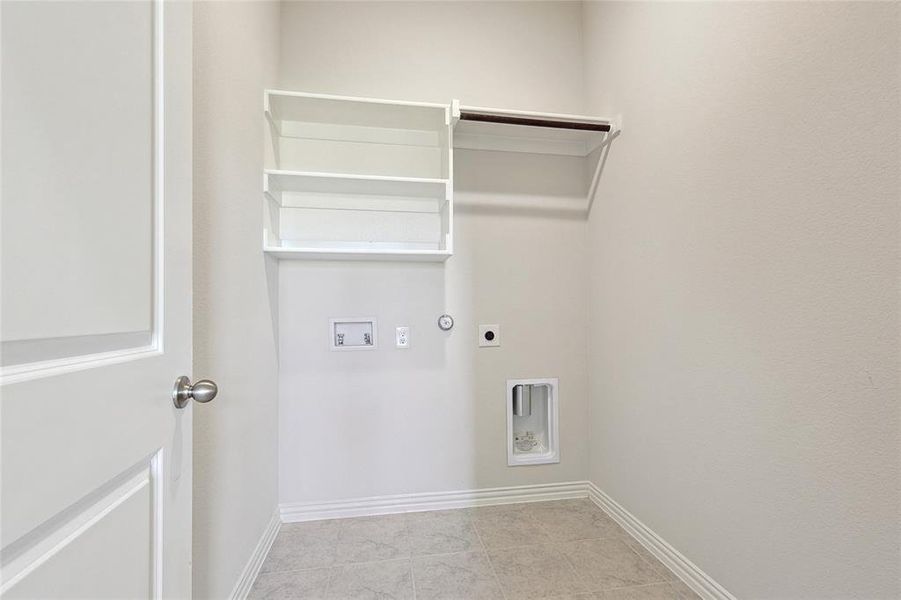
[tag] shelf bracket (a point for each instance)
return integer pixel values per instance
(602, 160)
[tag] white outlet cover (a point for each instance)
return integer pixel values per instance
(402, 337)
(489, 331)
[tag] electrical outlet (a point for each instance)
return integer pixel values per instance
(489, 336)
(402, 337)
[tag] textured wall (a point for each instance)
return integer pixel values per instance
(235, 450)
(432, 418)
(744, 364)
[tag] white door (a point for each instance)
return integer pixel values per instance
(96, 299)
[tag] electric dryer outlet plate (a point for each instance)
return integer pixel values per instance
(489, 336)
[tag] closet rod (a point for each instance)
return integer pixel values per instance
(533, 122)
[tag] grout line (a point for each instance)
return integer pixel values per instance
(577, 576)
(331, 577)
(338, 565)
(640, 585)
(654, 567)
(541, 526)
(368, 562)
(338, 569)
(497, 579)
(551, 543)
(410, 545)
(439, 554)
(298, 570)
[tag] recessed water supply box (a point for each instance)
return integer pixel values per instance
(532, 433)
(353, 334)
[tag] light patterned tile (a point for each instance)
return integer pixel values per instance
(534, 572)
(685, 592)
(303, 546)
(373, 538)
(386, 580)
(506, 528)
(449, 561)
(656, 591)
(291, 585)
(441, 532)
(455, 576)
(572, 520)
(651, 560)
(609, 563)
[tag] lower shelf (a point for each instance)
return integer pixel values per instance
(347, 253)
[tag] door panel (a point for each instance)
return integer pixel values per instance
(95, 460)
(101, 549)
(78, 85)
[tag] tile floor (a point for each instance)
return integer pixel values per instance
(566, 550)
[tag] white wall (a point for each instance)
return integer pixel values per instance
(432, 418)
(744, 288)
(235, 451)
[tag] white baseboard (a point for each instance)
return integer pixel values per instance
(384, 505)
(252, 568)
(687, 571)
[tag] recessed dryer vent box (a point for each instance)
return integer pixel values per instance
(360, 333)
(532, 433)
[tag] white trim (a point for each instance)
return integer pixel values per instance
(675, 561)
(52, 368)
(158, 499)
(293, 512)
(157, 326)
(255, 562)
(40, 350)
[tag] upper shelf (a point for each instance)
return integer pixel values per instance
(480, 128)
(334, 110)
(357, 136)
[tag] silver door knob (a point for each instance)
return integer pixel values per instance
(202, 391)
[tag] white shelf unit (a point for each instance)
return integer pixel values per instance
(357, 178)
